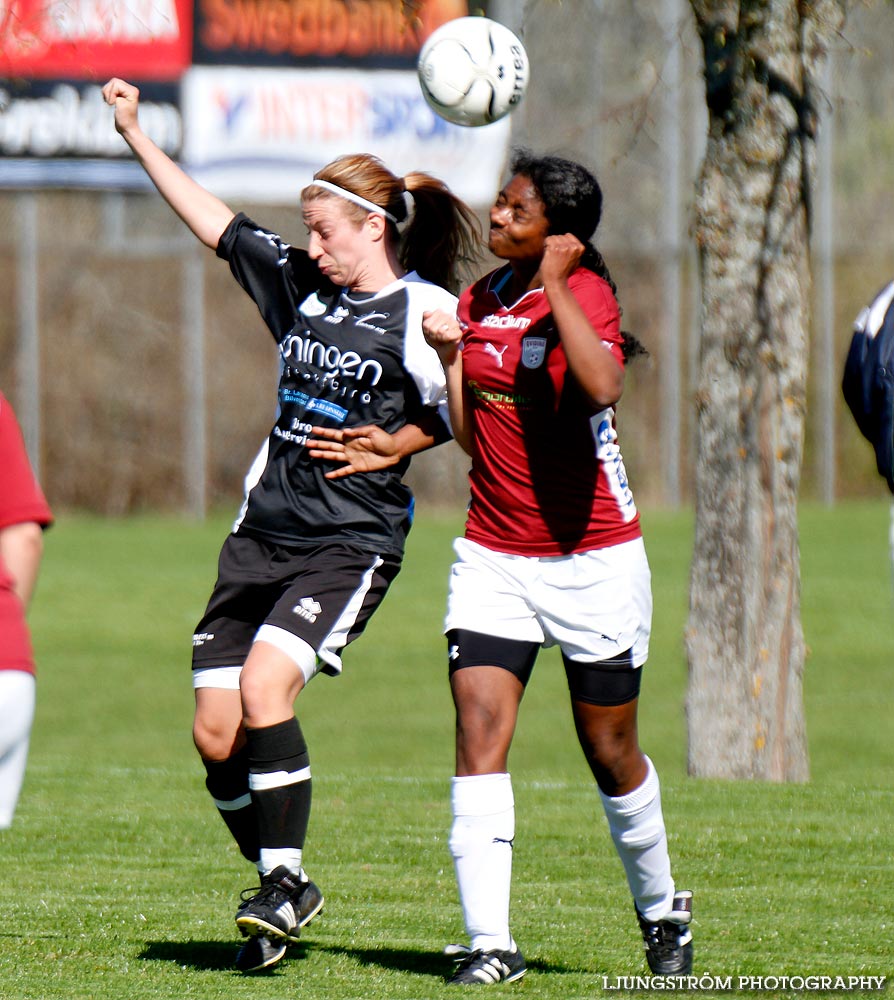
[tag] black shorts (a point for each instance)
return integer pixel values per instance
(323, 594)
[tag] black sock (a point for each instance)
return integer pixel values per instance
(279, 769)
(227, 781)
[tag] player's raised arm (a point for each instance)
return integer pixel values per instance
(205, 214)
(443, 333)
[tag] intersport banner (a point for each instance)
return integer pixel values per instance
(93, 40)
(372, 33)
(259, 134)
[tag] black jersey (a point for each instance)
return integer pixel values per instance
(346, 360)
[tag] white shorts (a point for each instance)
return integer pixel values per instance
(17, 690)
(593, 605)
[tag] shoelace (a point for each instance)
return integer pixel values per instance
(261, 892)
(464, 962)
(663, 936)
(248, 894)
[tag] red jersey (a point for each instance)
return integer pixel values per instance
(547, 474)
(21, 499)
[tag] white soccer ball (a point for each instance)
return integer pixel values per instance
(473, 71)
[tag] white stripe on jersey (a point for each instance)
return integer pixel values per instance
(252, 478)
(609, 454)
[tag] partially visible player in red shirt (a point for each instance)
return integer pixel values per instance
(552, 554)
(23, 516)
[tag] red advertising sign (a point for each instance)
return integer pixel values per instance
(381, 33)
(95, 39)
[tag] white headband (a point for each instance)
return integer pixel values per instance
(343, 193)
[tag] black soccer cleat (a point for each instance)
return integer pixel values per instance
(668, 942)
(280, 908)
(483, 968)
(260, 953)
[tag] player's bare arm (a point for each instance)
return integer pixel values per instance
(443, 333)
(21, 549)
(370, 448)
(596, 371)
(205, 214)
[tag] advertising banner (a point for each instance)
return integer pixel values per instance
(95, 39)
(62, 134)
(260, 134)
(287, 33)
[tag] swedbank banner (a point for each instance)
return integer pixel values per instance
(373, 33)
(158, 39)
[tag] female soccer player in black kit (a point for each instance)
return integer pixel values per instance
(310, 557)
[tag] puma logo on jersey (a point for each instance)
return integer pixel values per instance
(497, 354)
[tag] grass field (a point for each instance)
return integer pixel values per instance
(118, 879)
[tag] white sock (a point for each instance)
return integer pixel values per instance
(273, 857)
(481, 845)
(637, 828)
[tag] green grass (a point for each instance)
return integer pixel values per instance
(118, 880)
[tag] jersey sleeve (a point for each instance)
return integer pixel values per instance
(21, 498)
(421, 361)
(276, 275)
(601, 308)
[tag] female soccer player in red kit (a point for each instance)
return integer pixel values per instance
(24, 515)
(552, 554)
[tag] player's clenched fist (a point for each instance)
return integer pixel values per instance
(561, 255)
(442, 332)
(124, 98)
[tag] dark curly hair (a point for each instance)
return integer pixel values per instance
(572, 203)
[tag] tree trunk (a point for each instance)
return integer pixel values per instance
(744, 640)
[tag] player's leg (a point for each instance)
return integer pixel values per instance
(220, 740)
(246, 586)
(629, 790)
(279, 779)
(331, 594)
(631, 798)
(493, 640)
(17, 696)
(278, 759)
(603, 630)
(487, 700)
